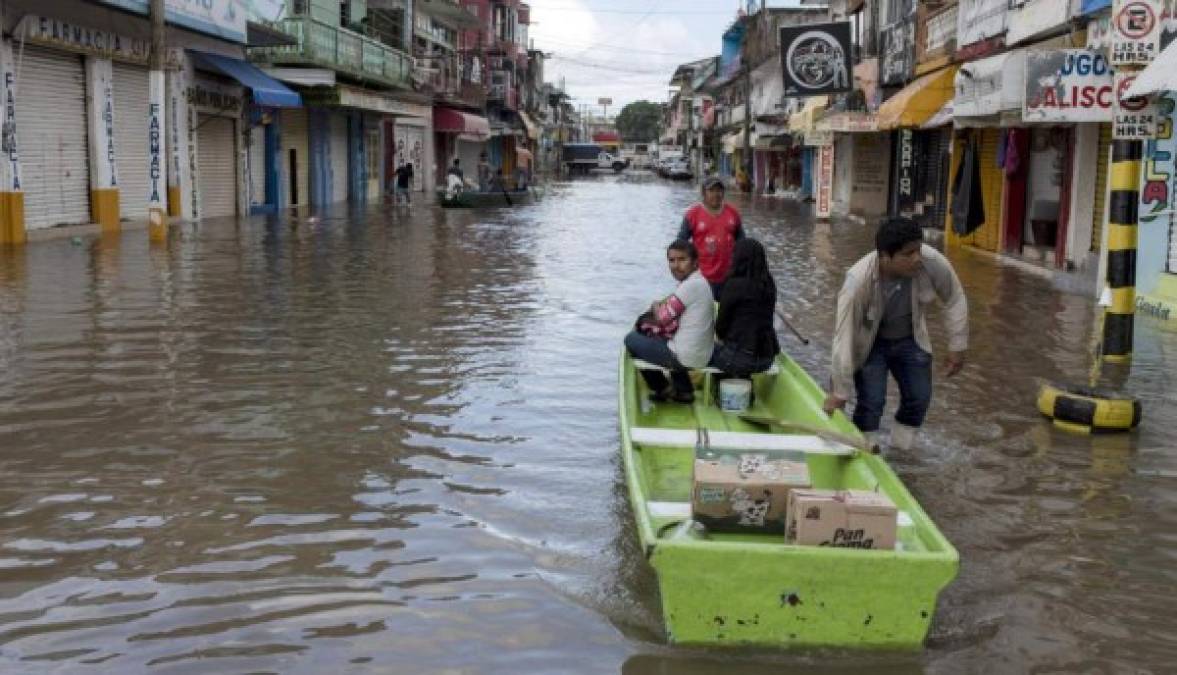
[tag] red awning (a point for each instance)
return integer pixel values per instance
(606, 137)
(450, 121)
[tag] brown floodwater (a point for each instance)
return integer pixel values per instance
(387, 442)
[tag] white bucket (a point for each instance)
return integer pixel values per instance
(735, 395)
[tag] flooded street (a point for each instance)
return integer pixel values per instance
(387, 442)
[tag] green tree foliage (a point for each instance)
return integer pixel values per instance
(638, 121)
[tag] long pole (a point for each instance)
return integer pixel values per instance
(157, 202)
(1122, 237)
(748, 125)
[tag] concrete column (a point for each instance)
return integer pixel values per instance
(429, 160)
(1082, 207)
(12, 199)
(357, 173)
(181, 143)
(100, 121)
(157, 200)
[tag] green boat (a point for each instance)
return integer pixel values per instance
(472, 199)
(754, 588)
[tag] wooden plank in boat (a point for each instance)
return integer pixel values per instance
(737, 440)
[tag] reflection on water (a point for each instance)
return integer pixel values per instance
(389, 441)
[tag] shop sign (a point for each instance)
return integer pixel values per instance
(1089, 6)
(1136, 31)
(979, 20)
(82, 39)
(905, 174)
(1028, 18)
(1067, 85)
(1135, 118)
(212, 96)
(221, 18)
(360, 99)
(819, 137)
(897, 52)
(849, 123)
(941, 30)
(1160, 155)
(825, 180)
(815, 58)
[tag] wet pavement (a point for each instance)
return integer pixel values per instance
(386, 442)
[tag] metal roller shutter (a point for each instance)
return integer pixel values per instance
(338, 152)
(218, 166)
(1101, 186)
(410, 147)
(295, 146)
(51, 133)
(988, 236)
(257, 165)
(131, 99)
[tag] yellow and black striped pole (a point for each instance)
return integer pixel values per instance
(1121, 270)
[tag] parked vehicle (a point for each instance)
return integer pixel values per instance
(585, 157)
(677, 168)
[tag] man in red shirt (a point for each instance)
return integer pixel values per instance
(713, 226)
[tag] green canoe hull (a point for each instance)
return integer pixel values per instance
(754, 589)
(473, 200)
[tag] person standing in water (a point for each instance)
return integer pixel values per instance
(881, 328)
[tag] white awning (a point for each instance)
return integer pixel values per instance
(989, 86)
(1160, 75)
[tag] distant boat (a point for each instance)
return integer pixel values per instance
(468, 199)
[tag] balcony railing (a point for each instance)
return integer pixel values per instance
(339, 49)
(504, 94)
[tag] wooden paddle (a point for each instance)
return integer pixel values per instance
(771, 422)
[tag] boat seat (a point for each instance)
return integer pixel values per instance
(775, 369)
(738, 440)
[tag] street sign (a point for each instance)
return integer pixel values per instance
(604, 101)
(815, 58)
(1067, 85)
(1136, 32)
(1133, 118)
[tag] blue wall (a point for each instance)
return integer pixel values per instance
(320, 178)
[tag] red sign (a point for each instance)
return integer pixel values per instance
(1130, 104)
(825, 180)
(1136, 20)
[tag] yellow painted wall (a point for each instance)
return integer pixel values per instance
(988, 236)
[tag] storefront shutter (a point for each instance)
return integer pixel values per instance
(131, 100)
(338, 153)
(294, 138)
(216, 152)
(51, 138)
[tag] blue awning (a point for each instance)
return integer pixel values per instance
(266, 90)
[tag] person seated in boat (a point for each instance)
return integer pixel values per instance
(681, 329)
(746, 340)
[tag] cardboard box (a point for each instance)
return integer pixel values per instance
(841, 518)
(745, 491)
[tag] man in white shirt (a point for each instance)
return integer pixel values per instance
(681, 331)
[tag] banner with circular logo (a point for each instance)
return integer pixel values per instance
(815, 59)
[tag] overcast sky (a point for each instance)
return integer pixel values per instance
(625, 49)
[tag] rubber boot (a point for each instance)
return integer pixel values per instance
(873, 440)
(903, 436)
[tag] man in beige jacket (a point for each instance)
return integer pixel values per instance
(881, 327)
